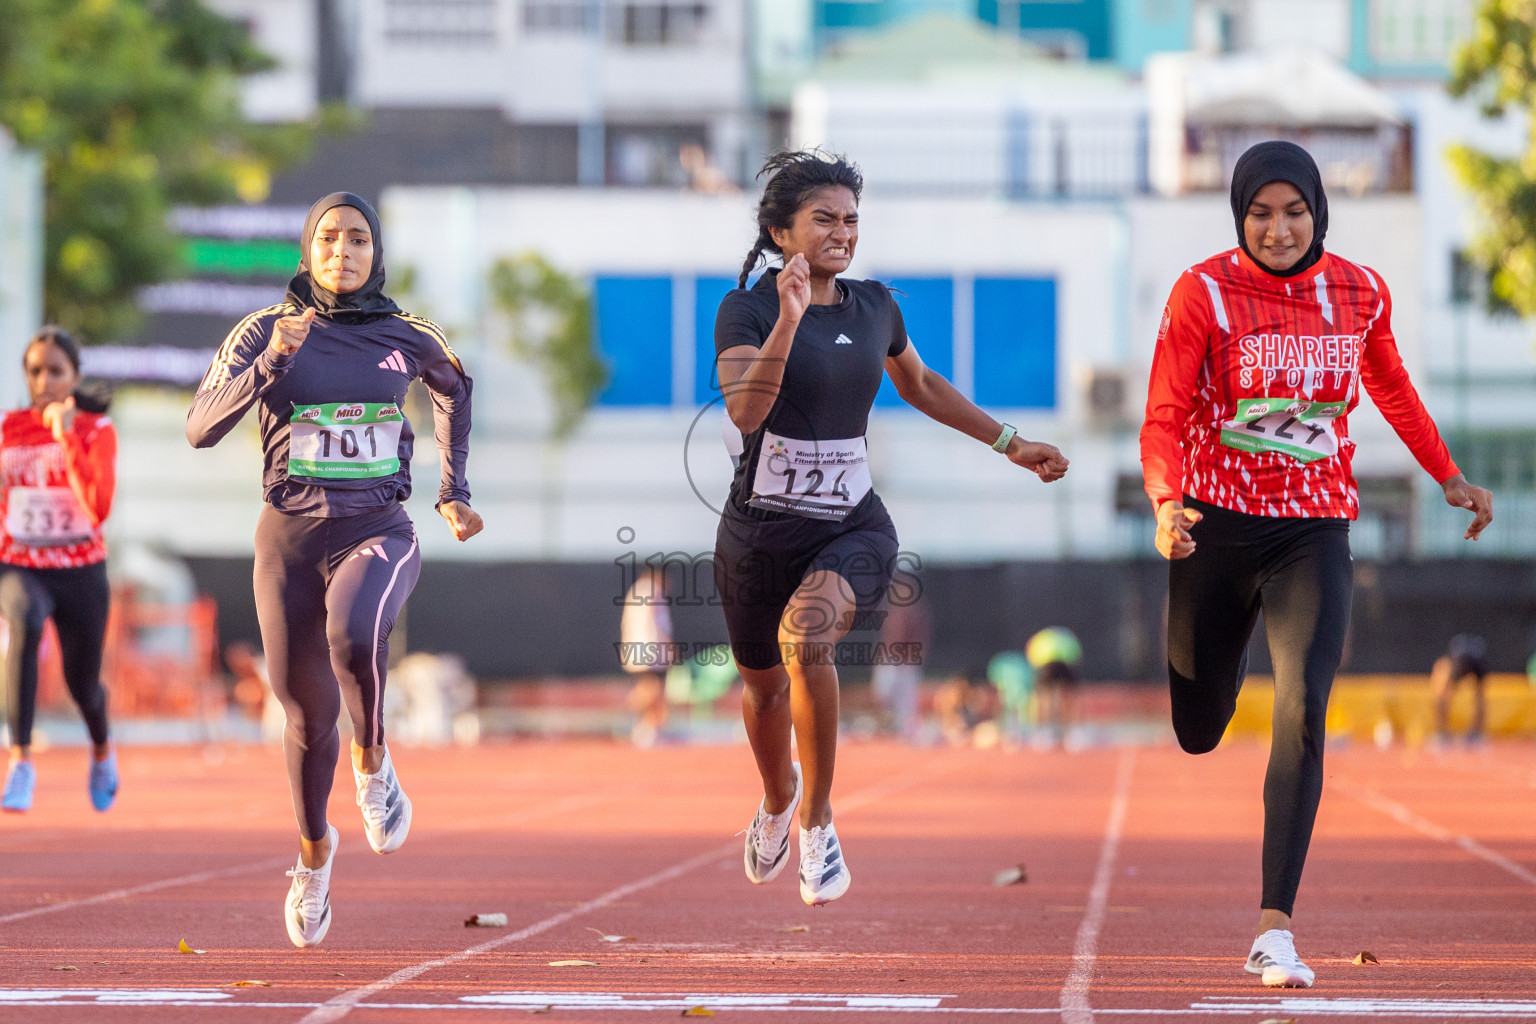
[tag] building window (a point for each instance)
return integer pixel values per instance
(554, 17)
(657, 24)
(1417, 31)
(451, 23)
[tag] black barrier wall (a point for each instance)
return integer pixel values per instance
(522, 619)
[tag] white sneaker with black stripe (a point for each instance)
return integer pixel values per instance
(386, 808)
(823, 872)
(1274, 958)
(307, 911)
(768, 838)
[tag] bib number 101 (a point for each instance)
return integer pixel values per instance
(345, 440)
(348, 444)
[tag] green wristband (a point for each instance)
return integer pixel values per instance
(1001, 444)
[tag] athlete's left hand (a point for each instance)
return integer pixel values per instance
(1044, 459)
(59, 417)
(1460, 494)
(464, 521)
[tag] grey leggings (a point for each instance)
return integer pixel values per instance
(77, 600)
(328, 591)
(1299, 572)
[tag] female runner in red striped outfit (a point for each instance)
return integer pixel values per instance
(58, 469)
(1246, 454)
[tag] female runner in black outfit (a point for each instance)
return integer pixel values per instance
(804, 544)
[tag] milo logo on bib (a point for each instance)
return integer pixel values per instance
(1295, 427)
(345, 440)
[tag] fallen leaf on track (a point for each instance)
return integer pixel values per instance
(542, 1009)
(611, 938)
(182, 947)
(249, 984)
(66, 968)
(572, 963)
(1364, 957)
(486, 921)
(1013, 876)
(698, 1011)
(798, 928)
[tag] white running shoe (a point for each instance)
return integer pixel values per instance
(307, 911)
(768, 838)
(386, 808)
(1274, 958)
(823, 872)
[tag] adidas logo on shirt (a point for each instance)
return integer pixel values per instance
(843, 339)
(395, 362)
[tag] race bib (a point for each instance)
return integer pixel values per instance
(345, 440)
(1291, 426)
(42, 517)
(819, 479)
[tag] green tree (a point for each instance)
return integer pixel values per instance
(550, 316)
(1497, 67)
(134, 106)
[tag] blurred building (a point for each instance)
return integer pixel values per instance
(1038, 175)
(21, 257)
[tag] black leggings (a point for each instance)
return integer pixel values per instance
(328, 591)
(77, 600)
(1299, 572)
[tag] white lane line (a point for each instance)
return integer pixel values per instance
(340, 1005)
(139, 890)
(1075, 1007)
(567, 1002)
(1397, 812)
(518, 817)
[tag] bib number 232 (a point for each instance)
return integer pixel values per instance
(1295, 427)
(345, 440)
(818, 479)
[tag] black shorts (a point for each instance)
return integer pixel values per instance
(1463, 665)
(760, 562)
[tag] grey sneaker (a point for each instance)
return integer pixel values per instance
(1274, 959)
(386, 808)
(768, 838)
(307, 911)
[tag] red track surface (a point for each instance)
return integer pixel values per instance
(1429, 862)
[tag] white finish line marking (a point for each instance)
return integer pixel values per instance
(803, 1002)
(1075, 1007)
(1397, 812)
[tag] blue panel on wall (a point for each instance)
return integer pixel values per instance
(634, 333)
(1015, 347)
(928, 307)
(707, 293)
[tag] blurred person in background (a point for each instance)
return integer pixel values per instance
(252, 691)
(1246, 456)
(336, 553)
(896, 680)
(1055, 654)
(58, 472)
(804, 544)
(1465, 657)
(645, 637)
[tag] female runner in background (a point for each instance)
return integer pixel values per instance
(1246, 455)
(58, 470)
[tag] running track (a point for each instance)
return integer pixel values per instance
(1142, 878)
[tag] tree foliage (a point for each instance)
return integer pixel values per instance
(550, 315)
(134, 106)
(1497, 67)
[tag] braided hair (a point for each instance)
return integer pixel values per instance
(792, 178)
(93, 396)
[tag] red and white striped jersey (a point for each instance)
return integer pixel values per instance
(55, 494)
(1253, 381)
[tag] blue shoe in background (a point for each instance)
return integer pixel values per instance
(20, 781)
(103, 782)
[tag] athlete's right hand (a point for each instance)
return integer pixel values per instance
(794, 288)
(1173, 523)
(289, 332)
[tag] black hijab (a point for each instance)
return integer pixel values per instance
(366, 304)
(1280, 161)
